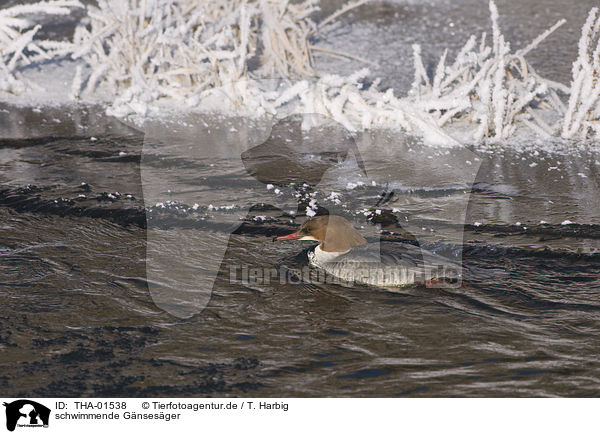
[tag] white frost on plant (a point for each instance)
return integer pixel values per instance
(488, 86)
(238, 56)
(583, 114)
(18, 48)
(194, 53)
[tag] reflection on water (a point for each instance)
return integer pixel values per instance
(78, 309)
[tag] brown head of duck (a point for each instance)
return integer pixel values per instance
(334, 233)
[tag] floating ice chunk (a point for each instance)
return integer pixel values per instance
(353, 185)
(567, 222)
(334, 197)
(311, 209)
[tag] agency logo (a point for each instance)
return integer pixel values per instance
(26, 413)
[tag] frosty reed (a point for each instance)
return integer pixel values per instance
(138, 55)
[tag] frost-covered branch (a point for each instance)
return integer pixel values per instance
(240, 56)
(187, 49)
(489, 85)
(583, 114)
(18, 46)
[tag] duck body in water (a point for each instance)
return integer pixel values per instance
(344, 253)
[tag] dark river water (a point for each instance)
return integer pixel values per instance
(117, 248)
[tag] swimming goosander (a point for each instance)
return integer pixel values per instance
(344, 253)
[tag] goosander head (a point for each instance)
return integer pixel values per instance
(334, 233)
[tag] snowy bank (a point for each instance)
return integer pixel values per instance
(255, 58)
